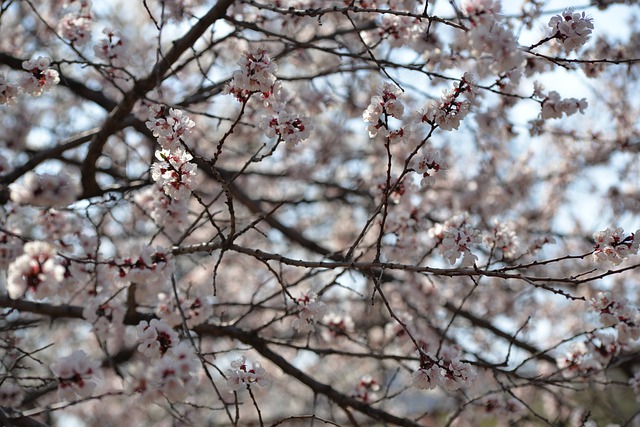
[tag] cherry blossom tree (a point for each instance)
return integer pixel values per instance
(319, 212)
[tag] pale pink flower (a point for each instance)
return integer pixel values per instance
(77, 375)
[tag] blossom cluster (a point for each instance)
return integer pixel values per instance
(244, 373)
(149, 271)
(571, 29)
(456, 237)
(291, 128)
(174, 375)
(553, 106)
(447, 371)
(611, 245)
(76, 25)
(104, 315)
(37, 271)
(196, 309)
(174, 172)
(618, 314)
(39, 77)
(381, 107)
(592, 355)
(77, 375)
(310, 311)
(449, 111)
(366, 389)
(169, 214)
(46, 190)
(256, 75)
(156, 338)
(111, 48)
(503, 238)
(169, 125)
(430, 165)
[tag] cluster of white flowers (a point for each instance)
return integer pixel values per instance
(612, 246)
(8, 92)
(169, 214)
(290, 128)
(398, 30)
(571, 29)
(39, 77)
(242, 374)
(169, 125)
(36, 271)
(77, 375)
(310, 311)
(456, 238)
(382, 107)
(76, 25)
(430, 165)
(503, 407)
(150, 271)
(256, 75)
(447, 371)
(174, 172)
(480, 12)
(553, 106)
(449, 111)
(366, 389)
(46, 190)
(196, 308)
(338, 325)
(618, 314)
(503, 237)
(112, 49)
(156, 338)
(104, 315)
(589, 356)
(10, 394)
(173, 376)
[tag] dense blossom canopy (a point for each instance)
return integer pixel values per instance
(319, 212)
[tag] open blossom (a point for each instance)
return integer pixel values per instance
(175, 374)
(112, 50)
(618, 314)
(169, 125)
(8, 92)
(256, 74)
(76, 26)
(572, 29)
(503, 238)
(456, 238)
(291, 128)
(382, 107)
(430, 165)
(39, 77)
(174, 172)
(46, 190)
(311, 310)
(156, 337)
(449, 111)
(37, 271)
(553, 106)
(103, 315)
(244, 373)
(77, 375)
(427, 378)
(196, 309)
(612, 246)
